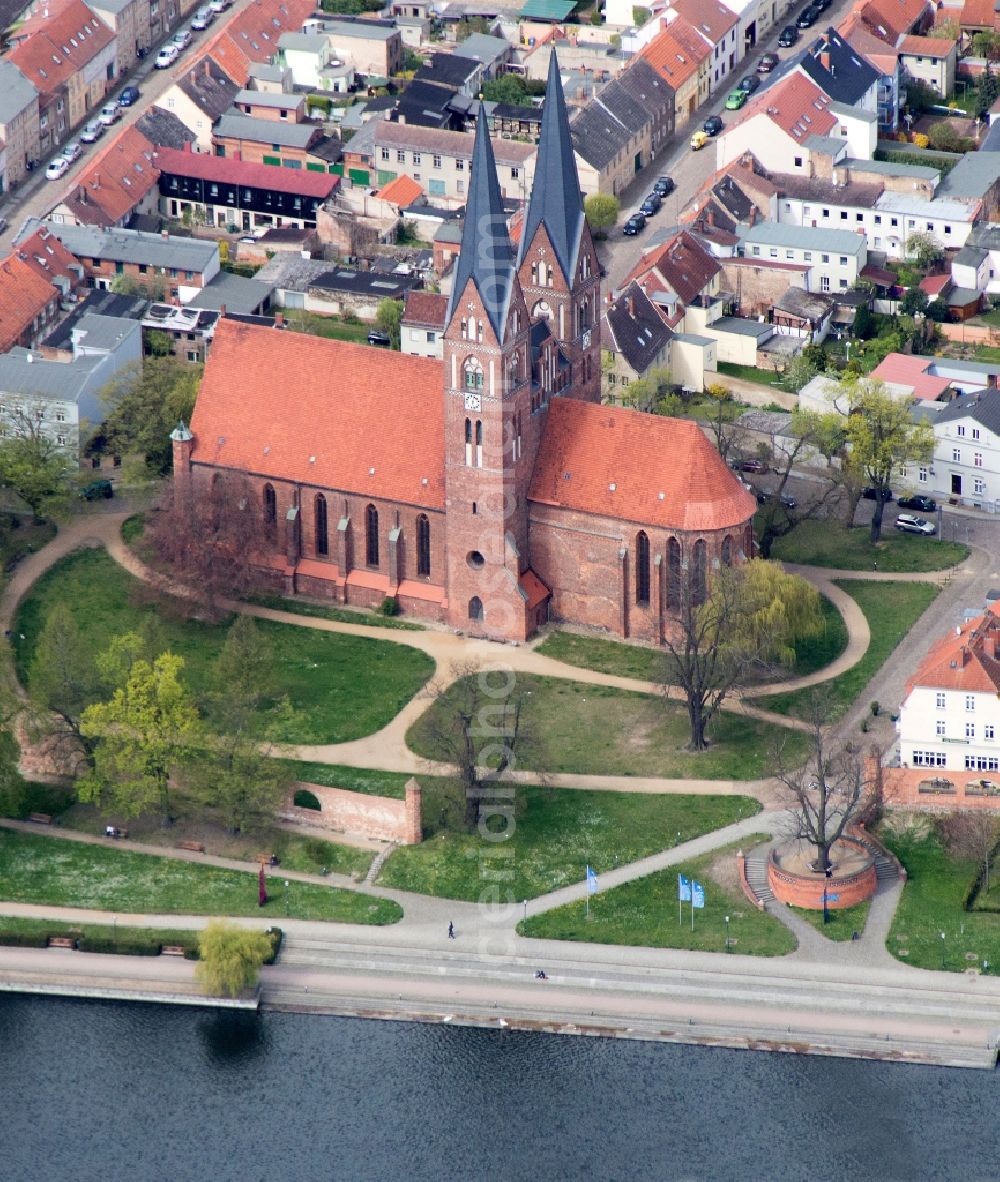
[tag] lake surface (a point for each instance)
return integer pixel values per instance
(134, 1092)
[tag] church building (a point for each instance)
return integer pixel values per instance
(490, 491)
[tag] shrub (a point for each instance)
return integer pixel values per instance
(875, 707)
(276, 935)
(389, 606)
(24, 939)
(305, 799)
(920, 140)
(123, 945)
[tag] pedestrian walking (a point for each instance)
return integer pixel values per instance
(451, 931)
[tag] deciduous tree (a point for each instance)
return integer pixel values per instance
(63, 678)
(749, 623)
(144, 403)
(971, 836)
(389, 317)
(601, 210)
(230, 958)
(32, 463)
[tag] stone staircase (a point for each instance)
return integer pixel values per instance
(757, 877)
(378, 862)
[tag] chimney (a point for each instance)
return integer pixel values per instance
(222, 311)
(279, 320)
(710, 216)
(207, 61)
(630, 304)
(824, 59)
(753, 215)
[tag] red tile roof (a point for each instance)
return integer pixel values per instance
(116, 181)
(966, 659)
(57, 42)
(425, 308)
(324, 413)
(534, 589)
(302, 181)
(251, 35)
(708, 17)
(681, 265)
(977, 14)
(636, 467)
(927, 46)
(23, 295)
(402, 191)
(796, 105)
(673, 61)
(47, 257)
(903, 369)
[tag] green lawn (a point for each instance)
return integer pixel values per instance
(645, 913)
(567, 726)
(891, 610)
(341, 687)
(749, 373)
(841, 924)
(932, 903)
(327, 326)
(649, 664)
(44, 869)
(341, 615)
(558, 833)
(369, 781)
(20, 536)
(828, 543)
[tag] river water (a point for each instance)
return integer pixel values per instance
(139, 1092)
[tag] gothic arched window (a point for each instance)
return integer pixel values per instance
(423, 545)
(641, 567)
(475, 608)
(322, 540)
(270, 505)
(371, 535)
(473, 371)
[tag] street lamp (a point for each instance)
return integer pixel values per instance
(525, 908)
(728, 948)
(827, 875)
(286, 896)
(942, 950)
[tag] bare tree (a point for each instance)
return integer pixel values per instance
(213, 540)
(971, 836)
(825, 794)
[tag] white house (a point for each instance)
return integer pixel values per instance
(950, 717)
(966, 461)
(835, 257)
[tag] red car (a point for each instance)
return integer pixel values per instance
(758, 467)
(767, 63)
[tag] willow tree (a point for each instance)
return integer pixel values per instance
(743, 625)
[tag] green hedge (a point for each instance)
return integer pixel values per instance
(29, 939)
(124, 944)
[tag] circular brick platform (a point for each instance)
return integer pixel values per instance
(792, 881)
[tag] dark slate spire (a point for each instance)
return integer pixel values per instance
(555, 193)
(486, 256)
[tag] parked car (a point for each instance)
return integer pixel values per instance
(698, 141)
(129, 96)
(915, 525)
(57, 168)
(786, 502)
(633, 226)
(808, 17)
(92, 131)
(735, 99)
(219, 6)
(919, 502)
(110, 113)
(749, 83)
(202, 18)
(713, 125)
(97, 490)
(377, 337)
(871, 494)
(71, 152)
(651, 206)
(182, 38)
(788, 36)
(664, 185)
(166, 57)
(821, 5)
(749, 464)
(767, 63)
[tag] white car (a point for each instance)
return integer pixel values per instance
(182, 39)
(92, 132)
(110, 113)
(219, 6)
(202, 18)
(915, 525)
(166, 57)
(71, 152)
(57, 168)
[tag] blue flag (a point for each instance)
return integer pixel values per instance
(683, 888)
(592, 887)
(697, 895)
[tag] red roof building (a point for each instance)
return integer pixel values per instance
(29, 302)
(120, 181)
(912, 371)
(251, 35)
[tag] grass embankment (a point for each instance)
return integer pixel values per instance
(828, 543)
(841, 925)
(652, 664)
(557, 834)
(567, 726)
(341, 687)
(891, 610)
(645, 912)
(340, 615)
(63, 873)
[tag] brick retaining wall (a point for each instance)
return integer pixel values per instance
(381, 818)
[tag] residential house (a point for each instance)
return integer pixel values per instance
(275, 105)
(881, 54)
(199, 97)
(422, 328)
(620, 130)
(312, 63)
(718, 26)
(931, 60)
(452, 72)
(493, 53)
(164, 130)
(634, 342)
(835, 258)
(234, 295)
(428, 104)
(965, 467)
(63, 399)
(189, 330)
(220, 192)
(48, 258)
(975, 181)
(683, 61)
(252, 35)
(167, 266)
(950, 716)
(69, 56)
(29, 304)
(345, 290)
(129, 20)
(802, 314)
(374, 48)
(267, 141)
(841, 72)
(19, 125)
(118, 183)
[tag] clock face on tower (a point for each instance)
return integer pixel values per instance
(473, 402)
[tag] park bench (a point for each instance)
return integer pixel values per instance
(115, 831)
(41, 818)
(61, 942)
(171, 950)
(195, 846)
